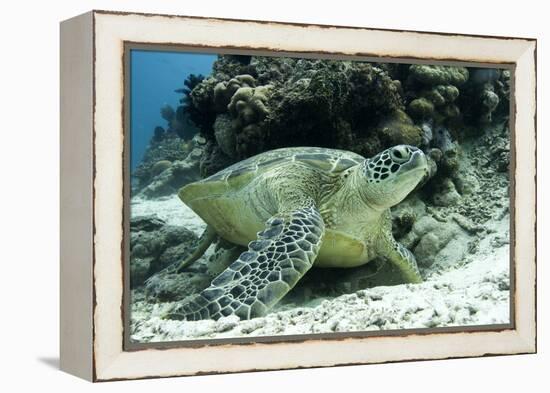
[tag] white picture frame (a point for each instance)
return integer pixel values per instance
(93, 193)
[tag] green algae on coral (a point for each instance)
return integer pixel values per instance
(159, 167)
(398, 128)
(421, 108)
(439, 75)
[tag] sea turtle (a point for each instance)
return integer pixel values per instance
(295, 208)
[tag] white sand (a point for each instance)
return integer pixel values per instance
(169, 209)
(474, 292)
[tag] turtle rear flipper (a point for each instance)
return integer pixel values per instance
(206, 239)
(261, 276)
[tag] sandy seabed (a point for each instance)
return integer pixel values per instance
(474, 291)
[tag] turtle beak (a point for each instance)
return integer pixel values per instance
(416, 170)
(417, 160)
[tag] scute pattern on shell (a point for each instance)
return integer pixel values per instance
(331, 160)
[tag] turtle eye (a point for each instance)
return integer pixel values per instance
(400, 154)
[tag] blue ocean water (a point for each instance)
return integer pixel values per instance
(154, 75)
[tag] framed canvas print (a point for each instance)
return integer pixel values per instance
(246, 195)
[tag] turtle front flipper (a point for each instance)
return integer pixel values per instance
(401, 260)
(404, 261)
(261, 276)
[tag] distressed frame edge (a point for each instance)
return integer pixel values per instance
(76, 207)
(525, 219)
(304, 24)
(527, 340)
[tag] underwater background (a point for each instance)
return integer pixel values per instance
(195, 114)
(154, 78)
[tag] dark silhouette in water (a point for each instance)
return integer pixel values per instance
(154, 76)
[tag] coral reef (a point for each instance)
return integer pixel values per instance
(455, 224)
(186, 113)
(224, 91)
(177, 120)
(213, 159)
(159, 167)
(398, 128)
(434, 75)
(168, 177)
(224, 133)
(248, 110)
(274, 101)
(162, 149)
(432, 91)
(165, 156)
(250, 104)
(487, 94)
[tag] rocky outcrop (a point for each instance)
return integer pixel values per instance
(155, 246)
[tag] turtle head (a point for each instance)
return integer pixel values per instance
(392, 174)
